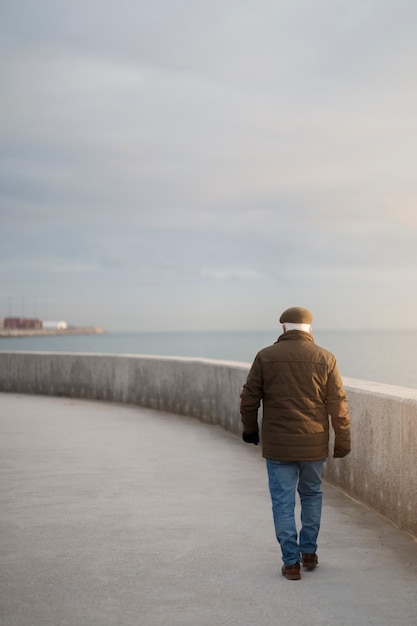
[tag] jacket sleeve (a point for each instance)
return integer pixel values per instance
(250, 398)
(339, 413)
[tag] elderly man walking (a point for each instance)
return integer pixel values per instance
(299, 385)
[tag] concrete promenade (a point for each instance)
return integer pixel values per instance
(114, 515)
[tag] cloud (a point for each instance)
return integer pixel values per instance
(225, 274)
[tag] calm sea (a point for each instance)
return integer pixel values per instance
(381, 356)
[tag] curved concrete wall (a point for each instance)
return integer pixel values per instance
(381, 470)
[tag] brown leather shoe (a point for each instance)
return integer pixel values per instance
(310, 561)
(292, 572)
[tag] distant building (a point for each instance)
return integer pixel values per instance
(54, 325)
(22, 323)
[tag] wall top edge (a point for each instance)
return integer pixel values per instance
(151, 357)
(379, 389)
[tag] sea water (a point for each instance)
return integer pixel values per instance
(381, 356)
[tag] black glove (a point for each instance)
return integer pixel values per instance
(339, 453)
(251, 438)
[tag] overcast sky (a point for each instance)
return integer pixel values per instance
(205, 164)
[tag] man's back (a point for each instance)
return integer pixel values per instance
(299, 385)
(295, 366)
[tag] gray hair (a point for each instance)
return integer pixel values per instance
(291, 326)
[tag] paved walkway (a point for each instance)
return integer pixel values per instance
(113, 515)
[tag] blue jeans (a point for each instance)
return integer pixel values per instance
(284, 478)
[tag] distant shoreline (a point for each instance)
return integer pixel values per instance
(81, 330)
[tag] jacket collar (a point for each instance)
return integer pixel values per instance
(296, 334)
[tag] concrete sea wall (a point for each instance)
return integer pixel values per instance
(381, 470)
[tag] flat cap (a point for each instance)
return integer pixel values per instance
(296, 315)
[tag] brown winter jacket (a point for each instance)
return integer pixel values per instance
(299, 385)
